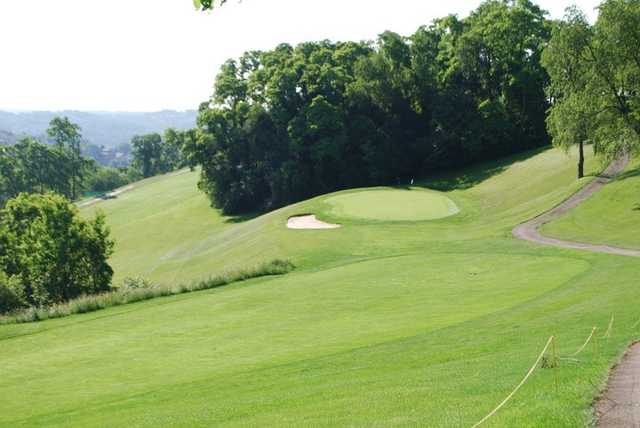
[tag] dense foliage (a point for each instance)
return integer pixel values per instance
(30, 166)
(154, 154)
(48, 254)
(595, 79)
(104, 179)
(291, 123)
(208, 4)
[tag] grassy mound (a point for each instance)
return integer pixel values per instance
(392, 205)
(382, 324)
(611, 216)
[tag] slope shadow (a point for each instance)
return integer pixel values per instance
(629, 174)
(467, 177)
(241, 218)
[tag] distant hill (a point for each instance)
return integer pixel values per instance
(7, 138)
(107, 129)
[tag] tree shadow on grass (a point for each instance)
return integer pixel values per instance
(241, 218)
(465, 178)
(629, 174)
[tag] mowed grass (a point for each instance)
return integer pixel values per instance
(158, 225)
(397, 323)
(393, 205)
(611, 216)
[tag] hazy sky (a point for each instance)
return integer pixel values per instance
(147, 55)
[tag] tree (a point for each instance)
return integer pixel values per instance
(173, 141)
(208, 4)
(30, 166)
(67, 137)
(105, 179)
(147, 152)
(571, 117)
(49, 253)
(595, 82)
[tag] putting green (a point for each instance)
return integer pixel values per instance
(393, 204)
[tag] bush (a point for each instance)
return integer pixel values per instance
(106, 179)
(51, 252)
(11, 294)
(135, 283)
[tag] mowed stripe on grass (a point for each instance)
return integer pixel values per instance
(384, 323)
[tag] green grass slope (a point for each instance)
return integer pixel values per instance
(384, 323)
(612, 216)
(157, 227)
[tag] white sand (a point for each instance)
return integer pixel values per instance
(309, 222)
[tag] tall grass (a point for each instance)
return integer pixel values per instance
(131, 294)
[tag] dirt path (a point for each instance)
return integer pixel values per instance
(619, 406)
(529, 230)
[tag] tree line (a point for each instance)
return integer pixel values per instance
(30, 166)
(294, 122)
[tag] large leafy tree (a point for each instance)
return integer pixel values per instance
(173, 142)
(147, 153)
(30, 166)
(48, 253)
(67, 137)
(595, 79)
(572, 116)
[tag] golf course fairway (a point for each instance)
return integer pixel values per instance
(387, 321)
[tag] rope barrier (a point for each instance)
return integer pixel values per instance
(584, 345)
(608, 332)
(522, 382)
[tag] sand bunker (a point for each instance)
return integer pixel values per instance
(309, 222)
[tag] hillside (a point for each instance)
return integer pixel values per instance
(107, 129)
(183, 238)
(367, 331)
(610, 217)
(7, 138)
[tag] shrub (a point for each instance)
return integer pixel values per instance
(53, 253)
(106, 179)
(11, 294)
(135, 283)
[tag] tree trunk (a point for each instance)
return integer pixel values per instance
(581, 161)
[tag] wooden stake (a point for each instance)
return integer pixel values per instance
(555, 362)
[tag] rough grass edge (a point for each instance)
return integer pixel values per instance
(124, 296)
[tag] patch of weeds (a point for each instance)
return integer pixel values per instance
(139, 289)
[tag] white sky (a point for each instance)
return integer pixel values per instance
(147, 55)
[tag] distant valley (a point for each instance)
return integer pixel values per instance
(108, 129)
